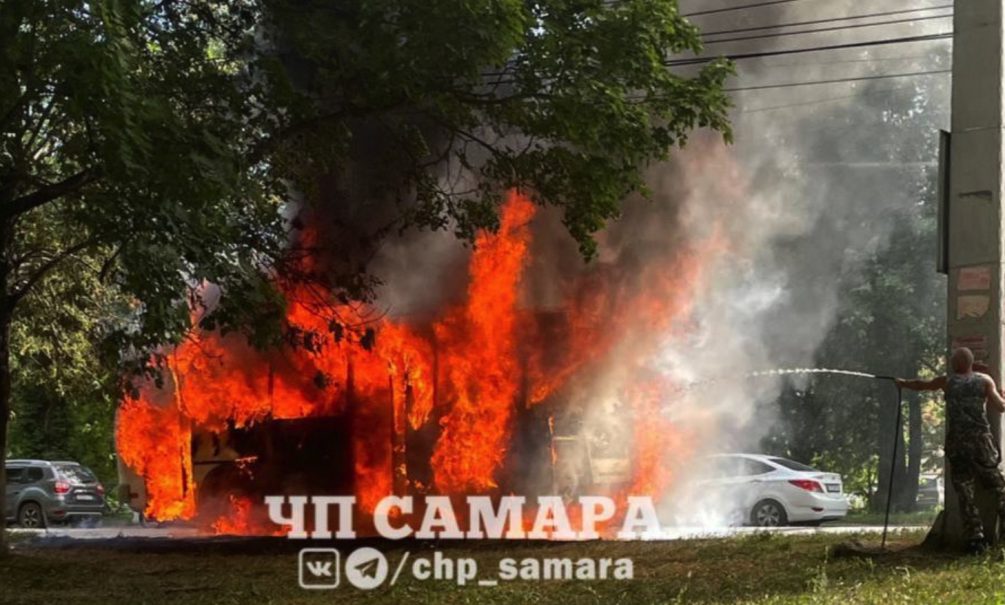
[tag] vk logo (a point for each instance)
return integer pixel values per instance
(319, 568)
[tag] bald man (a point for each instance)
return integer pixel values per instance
(970, 447)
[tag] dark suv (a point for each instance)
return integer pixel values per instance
(40, 492)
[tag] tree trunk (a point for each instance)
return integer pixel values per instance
(5, 407)
(7, 303)
(878, 504)
(914, 452)
(900, 479)
(887, 431)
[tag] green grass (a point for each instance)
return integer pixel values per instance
(13, 538)
(759, 568)
(917, 518)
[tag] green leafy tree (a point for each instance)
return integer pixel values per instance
(891, 322)
(64, 389)
(159, 140)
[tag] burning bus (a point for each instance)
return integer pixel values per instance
(471, 402)
(558, 446)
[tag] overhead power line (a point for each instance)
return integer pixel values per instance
(812, 49)
(826, 29)
(817, 102)
(736, 8)
(759, 109)
(841, 80)
(901, 59)
(743, 30)
(502, 80)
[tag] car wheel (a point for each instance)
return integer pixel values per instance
(768, 513)
(30, 516)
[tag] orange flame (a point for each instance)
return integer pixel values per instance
(481, 360)
(154, 441)
(471, 372)
(238, 521)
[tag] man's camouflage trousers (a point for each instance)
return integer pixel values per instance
(973, 459)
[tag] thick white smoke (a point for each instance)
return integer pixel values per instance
(818, 176)
(826, 171)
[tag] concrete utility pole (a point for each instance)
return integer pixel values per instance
(973, 243)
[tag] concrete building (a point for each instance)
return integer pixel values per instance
(973, 250)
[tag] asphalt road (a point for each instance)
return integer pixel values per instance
(677, 533)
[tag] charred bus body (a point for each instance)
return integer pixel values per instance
(569, 444)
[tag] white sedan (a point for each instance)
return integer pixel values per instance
(768, 491)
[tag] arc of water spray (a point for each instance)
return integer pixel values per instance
(786, 372)
(790, 371)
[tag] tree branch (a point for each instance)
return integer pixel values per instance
(48, 193)
(106, 266)
(48, 266)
